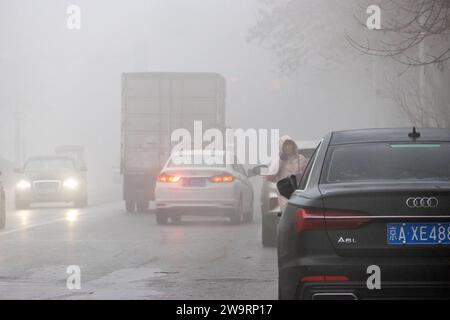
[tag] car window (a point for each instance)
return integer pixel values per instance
(42, 165)
(308, 170)
(387, 161)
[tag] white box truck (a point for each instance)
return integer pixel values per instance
(153, 106)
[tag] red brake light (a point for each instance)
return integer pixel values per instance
(332, 220)
(309, 220)
(337, 220)
(165, 178)
(221, 178)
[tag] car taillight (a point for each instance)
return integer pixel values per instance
(332, 220)
(309, 220)
(337, 220)
(222, 178)
(165, 178)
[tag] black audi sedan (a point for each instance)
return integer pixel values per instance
(370, 218)
(51, 179)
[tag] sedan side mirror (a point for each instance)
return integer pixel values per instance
(287, 186)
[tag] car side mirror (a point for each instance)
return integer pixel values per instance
(18, 170)
(287, 186)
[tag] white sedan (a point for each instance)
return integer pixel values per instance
(203, 190)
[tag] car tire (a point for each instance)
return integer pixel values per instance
(161, 218)
(81, 203)
(142, 206)
(130, 205)
(237, 216)
(268, 232)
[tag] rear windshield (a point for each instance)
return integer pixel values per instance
(387, 161)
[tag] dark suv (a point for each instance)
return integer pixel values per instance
(51, 179)
(370, 218)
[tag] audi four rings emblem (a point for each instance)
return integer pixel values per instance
(425, 202)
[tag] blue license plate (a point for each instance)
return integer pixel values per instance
(418, 233)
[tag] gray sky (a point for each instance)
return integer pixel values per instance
(67, 83)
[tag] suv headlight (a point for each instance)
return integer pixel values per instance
(71, 184)
(23, 185)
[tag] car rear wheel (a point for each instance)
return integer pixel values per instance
(176, 218)
(237, 216)
(161, 218)
(269, 231)
(130, 206)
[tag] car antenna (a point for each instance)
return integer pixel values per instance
(414, 134)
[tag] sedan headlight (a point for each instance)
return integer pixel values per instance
(23, 185)
(71, 184)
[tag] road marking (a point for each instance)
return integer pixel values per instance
(65, 218)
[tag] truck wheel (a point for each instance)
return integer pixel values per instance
(130, 206)
(142, 206)
(269, 232)
(162, 218)
(175, 218)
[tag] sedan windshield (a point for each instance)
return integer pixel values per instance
(43, 165)
(387, 161)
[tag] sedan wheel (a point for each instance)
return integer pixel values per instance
(130, 206)
(237, 216)
(269, 231)
(162, 219)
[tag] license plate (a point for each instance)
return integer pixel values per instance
(418, 233)
(194, 182)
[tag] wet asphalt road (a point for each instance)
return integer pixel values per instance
(129, 256)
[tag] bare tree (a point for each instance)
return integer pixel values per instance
(422, 106)
(300, 30)
(414, 32)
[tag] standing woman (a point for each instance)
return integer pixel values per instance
(290, 163)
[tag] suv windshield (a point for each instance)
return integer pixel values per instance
(387, 161)
(51, 164)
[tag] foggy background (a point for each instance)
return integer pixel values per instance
(60, 86)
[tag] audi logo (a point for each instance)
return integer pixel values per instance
(425, 202)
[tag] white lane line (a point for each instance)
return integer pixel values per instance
(36, 225)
